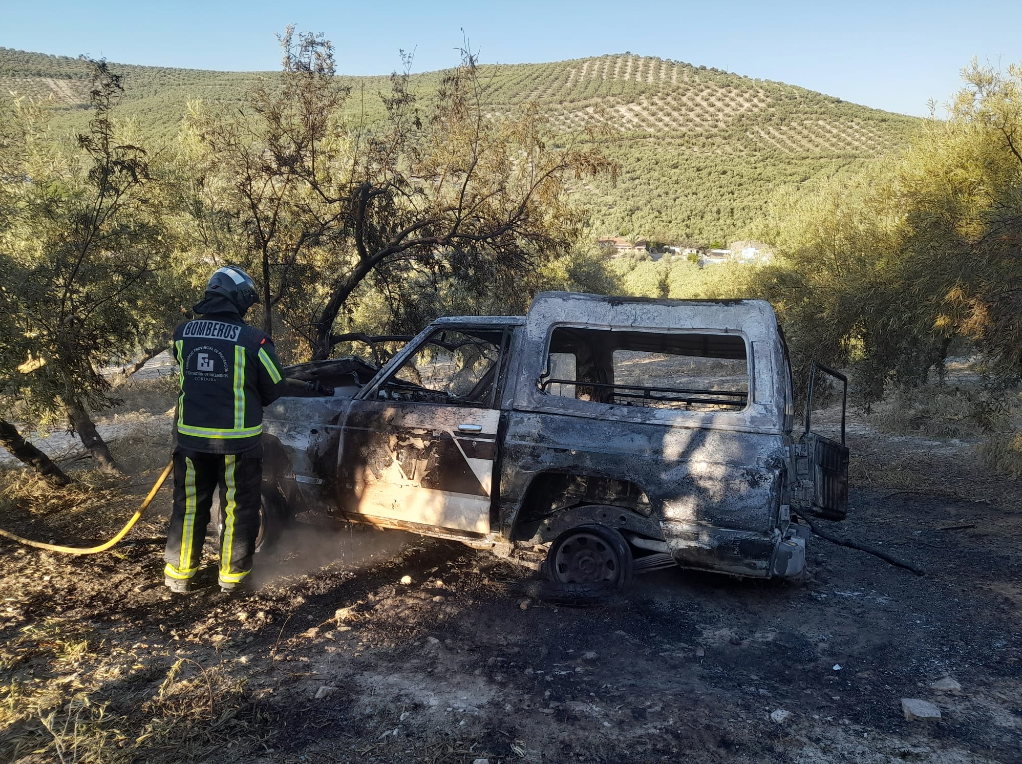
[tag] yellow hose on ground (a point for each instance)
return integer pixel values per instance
(112, 542)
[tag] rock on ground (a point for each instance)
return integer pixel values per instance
(947, 684)
(919, 710)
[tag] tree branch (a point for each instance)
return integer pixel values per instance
(861, 547)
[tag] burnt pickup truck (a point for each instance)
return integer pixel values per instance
(618, 434)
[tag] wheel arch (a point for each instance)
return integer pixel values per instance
(557, 500)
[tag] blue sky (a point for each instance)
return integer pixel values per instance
(889, 55)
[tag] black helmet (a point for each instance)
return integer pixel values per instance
(234, 284)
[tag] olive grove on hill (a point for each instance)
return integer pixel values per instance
(700, 150)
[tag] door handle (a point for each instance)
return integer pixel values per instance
(470, 427)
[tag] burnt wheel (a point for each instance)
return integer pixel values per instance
(590, 557)
(273, 520)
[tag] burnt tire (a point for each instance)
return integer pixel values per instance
(274, 519)
(587, 560)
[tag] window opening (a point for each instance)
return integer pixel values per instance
(452, 366)
(680, 371)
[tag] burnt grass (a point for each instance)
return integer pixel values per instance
(464, 663)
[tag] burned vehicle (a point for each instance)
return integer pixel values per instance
(618, 434)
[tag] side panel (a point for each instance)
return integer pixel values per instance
(703, 485)
(427, 464)
(300, 440)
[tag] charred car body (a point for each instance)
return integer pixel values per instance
(626, 433)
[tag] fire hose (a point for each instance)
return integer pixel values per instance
(307, 385)
(109, 544)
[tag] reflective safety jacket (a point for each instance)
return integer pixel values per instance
(228, 372)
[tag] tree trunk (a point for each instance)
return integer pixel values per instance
(31, 456)
(91, 439)
(325, 324)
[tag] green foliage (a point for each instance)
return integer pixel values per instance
(944, 411)
(583, 269)
(437, 204)
(681, 278)
(831, 283)
(428, 294)
(270, 168)
(79, 248)
(701, 151)
(882, 272)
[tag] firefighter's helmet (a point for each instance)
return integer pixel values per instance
(234, 284)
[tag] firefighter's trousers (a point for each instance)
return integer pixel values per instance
(196, 476)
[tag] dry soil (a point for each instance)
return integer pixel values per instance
(333, 658)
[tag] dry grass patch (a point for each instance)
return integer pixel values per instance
(879, 471)
(194, 714)
(40, 727)
(95, 504)
(145, 447)
(1002, 452)
(198, 712)
(975, 410)
(21, 491)
(54, 713)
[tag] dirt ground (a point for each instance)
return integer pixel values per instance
(333, 658)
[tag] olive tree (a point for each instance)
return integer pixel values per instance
(330, 196)
(84, 242)
(883, 271)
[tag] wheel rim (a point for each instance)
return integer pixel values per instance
(585, 558)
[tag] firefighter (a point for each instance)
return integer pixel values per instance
(228, 372)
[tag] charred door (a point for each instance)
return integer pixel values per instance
(827, 458)
(419, 448)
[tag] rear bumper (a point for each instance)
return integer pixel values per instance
(738, 553)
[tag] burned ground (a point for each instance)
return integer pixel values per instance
(101, 664)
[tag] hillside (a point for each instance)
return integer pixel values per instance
(701, 150)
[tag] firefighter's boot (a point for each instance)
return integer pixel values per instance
(177, 585)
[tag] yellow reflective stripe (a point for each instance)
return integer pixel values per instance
(188, 527)
(181, 381)
(227, 542)
(239, 387)
(232, 578)
(271, 367)
(206, 432)
(181, 575)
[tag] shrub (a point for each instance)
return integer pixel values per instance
(1002, 452)
(930, 410)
